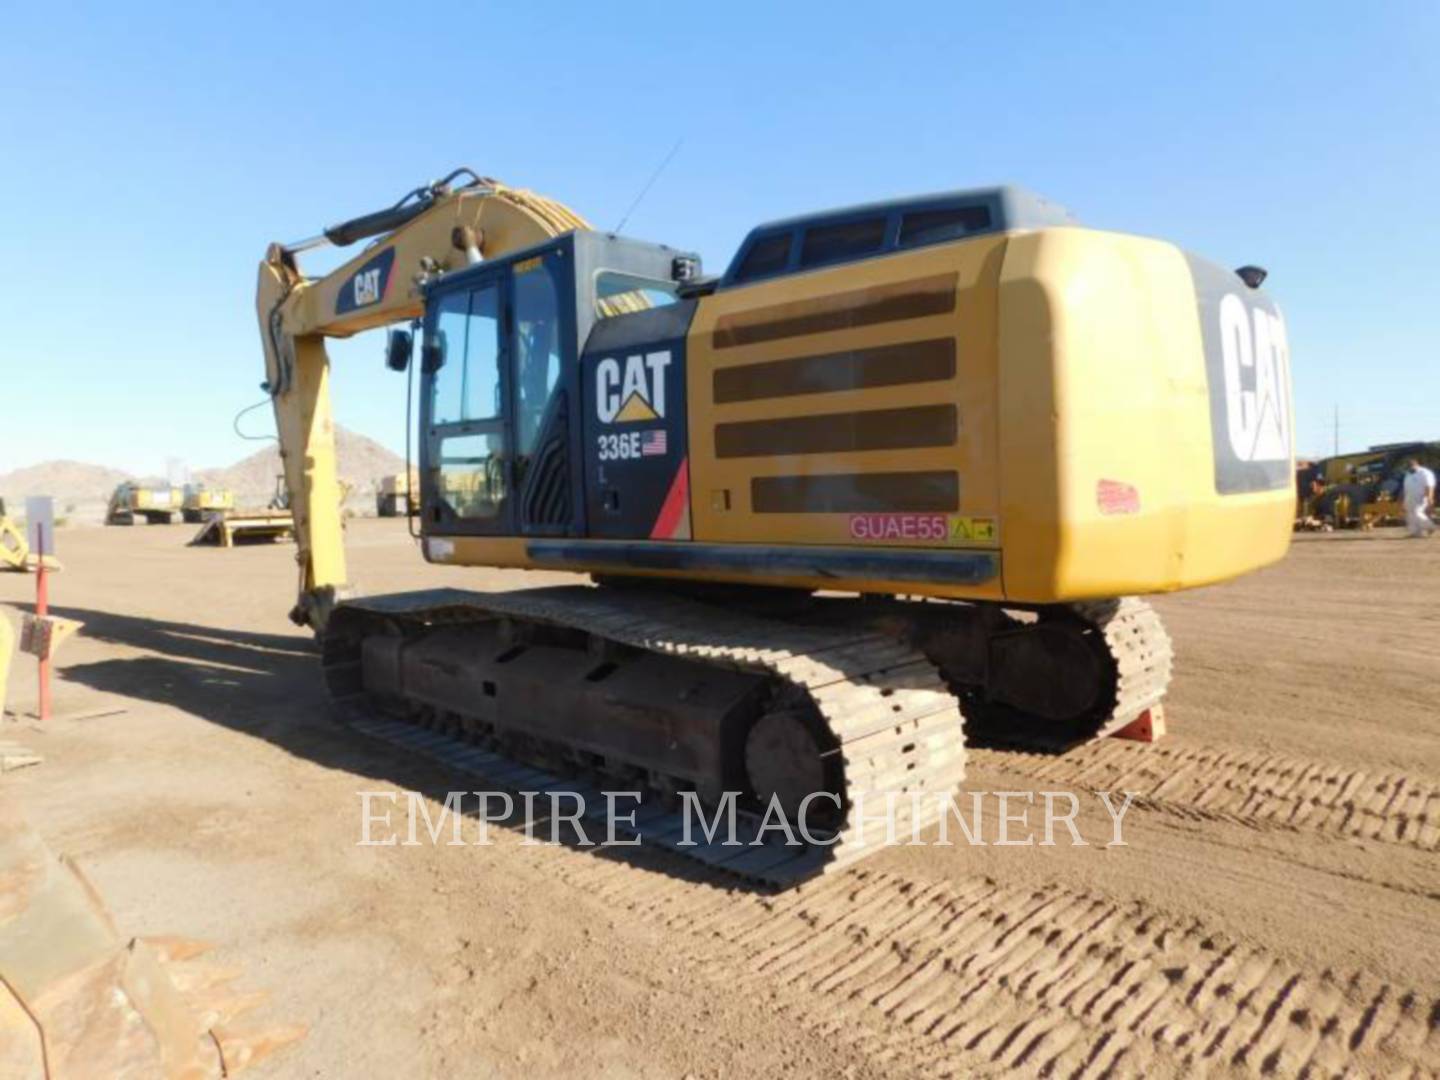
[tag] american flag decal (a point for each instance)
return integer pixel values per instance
(652, 443)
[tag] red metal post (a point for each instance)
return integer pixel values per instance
(42, 608)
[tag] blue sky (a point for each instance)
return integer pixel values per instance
(150, 152)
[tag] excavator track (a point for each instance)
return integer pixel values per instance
(1042, 680)
(880, 711)
(1136, 638)
(886, 697)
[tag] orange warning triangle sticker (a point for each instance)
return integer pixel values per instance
(635, 408)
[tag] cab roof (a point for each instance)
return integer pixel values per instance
(848, 234)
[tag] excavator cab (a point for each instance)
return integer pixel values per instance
(501, 447)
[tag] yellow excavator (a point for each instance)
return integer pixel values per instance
(200, 501)
(156, 503)
(901, 470)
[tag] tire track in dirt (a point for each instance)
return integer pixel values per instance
(1210, 783)
(937, 978)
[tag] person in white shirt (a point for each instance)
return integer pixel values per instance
(1419, 498)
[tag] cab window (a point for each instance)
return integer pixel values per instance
(768, 255)
(467, 331)
(619, 294)
(934, 226)
(471, 475)
(836, 243)
(466, 407)
(537, 350)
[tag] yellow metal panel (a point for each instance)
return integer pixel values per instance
(14, 548)
(1103, 380)
(503, 551)
(307, 434)
(971, 268)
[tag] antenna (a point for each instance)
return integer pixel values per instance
(1337, 430)
(650, 183)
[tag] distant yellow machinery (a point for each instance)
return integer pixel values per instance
(232, 525)
(227, 528)
(1359, 489)
(15, 553)
(965, 398)
(14, 548)
(199, 500)
(129, 500)
(398, 495)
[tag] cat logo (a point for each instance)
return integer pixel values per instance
(632, 391)
(367, 285)
(1256, 366)
(1247, 369)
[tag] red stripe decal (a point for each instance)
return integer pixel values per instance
(677, 502)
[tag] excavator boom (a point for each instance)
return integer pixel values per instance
(433, 230)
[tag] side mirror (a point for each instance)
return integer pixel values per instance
(399, 350)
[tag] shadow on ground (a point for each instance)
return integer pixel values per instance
(269, 686)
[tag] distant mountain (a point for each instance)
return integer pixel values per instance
(73, 480)
(362, 462)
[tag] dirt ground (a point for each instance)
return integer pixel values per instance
(1276, 905)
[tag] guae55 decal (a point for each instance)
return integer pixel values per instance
(935, 528)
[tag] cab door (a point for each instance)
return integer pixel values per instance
(464, 410)
(544, 373)
(500, 374)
